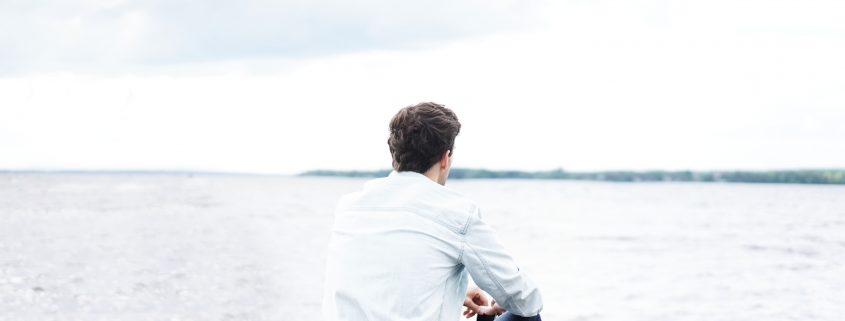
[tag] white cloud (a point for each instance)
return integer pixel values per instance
(116, 37)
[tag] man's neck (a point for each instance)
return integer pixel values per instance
(433, 174)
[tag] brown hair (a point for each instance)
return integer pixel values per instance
(419, 135)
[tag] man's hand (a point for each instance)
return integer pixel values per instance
(493, 309)
(475, 301)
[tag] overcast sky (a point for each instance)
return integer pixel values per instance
(287, 86)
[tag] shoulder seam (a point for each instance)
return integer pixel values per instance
(466, 224)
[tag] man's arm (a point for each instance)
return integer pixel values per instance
(496, 272)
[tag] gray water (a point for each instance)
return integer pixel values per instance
(178, 247)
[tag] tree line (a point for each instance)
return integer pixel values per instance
(776, 176)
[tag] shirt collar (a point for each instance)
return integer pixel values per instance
(406, 174)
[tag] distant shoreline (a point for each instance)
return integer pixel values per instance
(808, 176)
(834, 176)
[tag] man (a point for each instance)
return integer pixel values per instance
(401, 248)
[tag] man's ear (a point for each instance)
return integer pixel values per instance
(444, 159)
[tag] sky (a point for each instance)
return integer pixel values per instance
(287, 86)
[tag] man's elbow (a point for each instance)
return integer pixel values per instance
(526, 304)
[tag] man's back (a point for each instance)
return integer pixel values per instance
(399, 249)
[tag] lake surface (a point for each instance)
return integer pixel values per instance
(215, 247)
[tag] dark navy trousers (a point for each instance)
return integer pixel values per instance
(507, 316)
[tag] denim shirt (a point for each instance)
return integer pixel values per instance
(401, 248)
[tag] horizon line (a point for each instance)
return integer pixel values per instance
(258, 173)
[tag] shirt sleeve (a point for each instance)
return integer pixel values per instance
(495, 271)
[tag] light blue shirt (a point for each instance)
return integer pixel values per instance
(401, 248)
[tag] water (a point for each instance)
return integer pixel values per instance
(178, 247)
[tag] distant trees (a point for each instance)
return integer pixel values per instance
(323, 172)
(783, 176)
